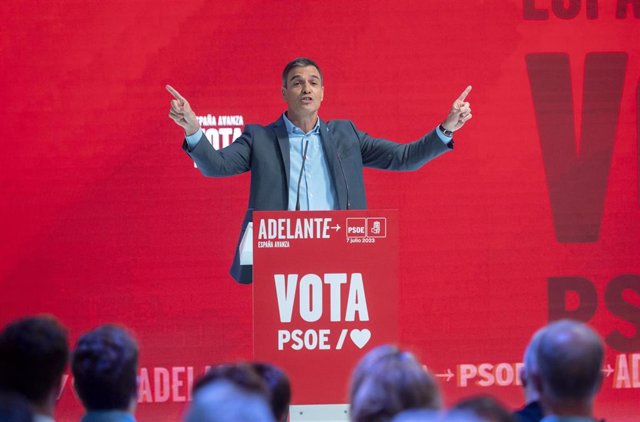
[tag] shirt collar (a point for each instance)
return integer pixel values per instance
(291, 128)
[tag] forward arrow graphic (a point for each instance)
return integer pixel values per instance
(448, 375)
(608, 370)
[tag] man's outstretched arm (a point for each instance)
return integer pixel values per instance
(389, 155)
(234, 159)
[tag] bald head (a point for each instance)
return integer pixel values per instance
(569, 360)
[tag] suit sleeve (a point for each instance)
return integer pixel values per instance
(228, 161)
(388, 155)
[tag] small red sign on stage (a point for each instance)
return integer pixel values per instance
(324, 293)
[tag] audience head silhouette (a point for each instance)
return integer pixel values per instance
(104, 366)
(562, 374)
(33, 356)
(485, 409)
(387, 381)
(230, 393)
(569, 363)
(279, 389)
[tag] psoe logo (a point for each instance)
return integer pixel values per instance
(377, 227)
(366, 227)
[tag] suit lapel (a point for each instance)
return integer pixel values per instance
(331, 154)
(280, 130)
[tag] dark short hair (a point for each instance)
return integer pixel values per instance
(486, 408)
(104, 366)
(279, 388)
(299, 62)
(33, 355)
(569, 358)
(242, 375)
(388, 381)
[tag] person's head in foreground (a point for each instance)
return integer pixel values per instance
(105, 368)
(230, 393)
(279, 389)
(388, 381)
(484, 408)
(569, 363)
(33, 356)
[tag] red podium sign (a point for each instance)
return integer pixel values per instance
(324, 293)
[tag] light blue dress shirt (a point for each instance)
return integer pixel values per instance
(316, 186)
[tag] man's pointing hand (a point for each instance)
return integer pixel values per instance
(460, 112)
(181, 113)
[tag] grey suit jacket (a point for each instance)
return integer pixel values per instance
(264, 150)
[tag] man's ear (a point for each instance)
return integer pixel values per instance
(538, 385)
(284, 92)
(524, 378)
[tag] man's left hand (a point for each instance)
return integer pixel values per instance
(460, 112)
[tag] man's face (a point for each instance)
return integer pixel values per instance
(304, 91)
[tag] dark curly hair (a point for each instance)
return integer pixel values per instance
(104, 366)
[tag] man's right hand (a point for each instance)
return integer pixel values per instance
(182, 114)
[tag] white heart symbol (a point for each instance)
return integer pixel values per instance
(360, 337)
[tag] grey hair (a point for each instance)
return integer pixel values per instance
(569, 359)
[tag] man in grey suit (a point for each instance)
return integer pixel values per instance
(300, 162)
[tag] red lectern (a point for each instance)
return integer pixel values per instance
(324, 293)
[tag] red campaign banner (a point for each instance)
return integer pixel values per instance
(534, 216)
(324, 293)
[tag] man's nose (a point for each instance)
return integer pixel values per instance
(306, 88)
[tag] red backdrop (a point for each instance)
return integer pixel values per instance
(535, 215)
